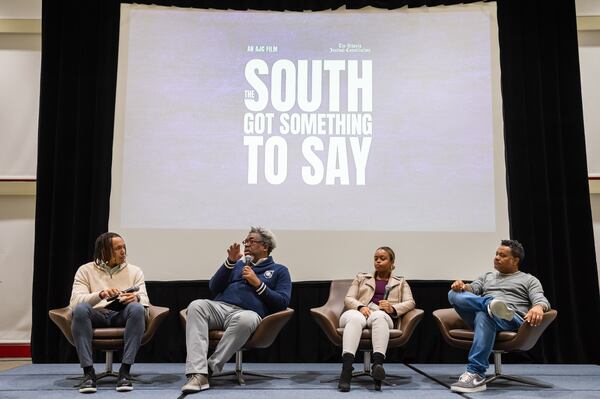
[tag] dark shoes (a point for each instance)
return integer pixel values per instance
(124, 383)
(89, 383)
(346, 375)
(377, 370)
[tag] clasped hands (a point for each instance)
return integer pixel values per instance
(383, 305)
(234, 253)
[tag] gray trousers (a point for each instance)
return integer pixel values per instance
(204, 315)
(85, 318)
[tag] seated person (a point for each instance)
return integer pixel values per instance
(373, 301)
(95, 283)
(247, 289)
(496, 301)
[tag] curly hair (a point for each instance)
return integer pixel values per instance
(266, 236)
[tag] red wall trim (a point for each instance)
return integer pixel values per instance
(15, 350)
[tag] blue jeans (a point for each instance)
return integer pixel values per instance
(473, 310)
(86, 318)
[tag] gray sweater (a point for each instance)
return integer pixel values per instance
(519, 290)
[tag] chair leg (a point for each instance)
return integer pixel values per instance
(108, 372)
(523, 380)
(239, 373)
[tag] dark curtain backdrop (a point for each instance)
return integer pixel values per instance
(549, 206)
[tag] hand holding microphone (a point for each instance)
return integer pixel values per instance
(109, 293)
(384, 304)
(119, 299)
(126, 296)
(247, 272)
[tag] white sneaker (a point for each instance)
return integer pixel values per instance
(469, 382)
(195, 383)
(499, 309)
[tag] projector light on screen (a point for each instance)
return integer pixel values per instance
(334, 129)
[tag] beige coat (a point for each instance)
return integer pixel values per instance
(363, 288)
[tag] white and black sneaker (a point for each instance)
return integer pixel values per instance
(469, 382)
(124, 383)
(88, 385)
(500, 309)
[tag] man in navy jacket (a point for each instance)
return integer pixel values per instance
(248, 287)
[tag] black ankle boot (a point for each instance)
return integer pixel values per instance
(346, 374)
(377, 370)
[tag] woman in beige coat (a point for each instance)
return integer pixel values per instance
(375, 300)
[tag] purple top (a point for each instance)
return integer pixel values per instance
(379, 291)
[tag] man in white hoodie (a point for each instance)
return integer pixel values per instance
(98, 300)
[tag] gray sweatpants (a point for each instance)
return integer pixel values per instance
(204, 315)
(85, 318)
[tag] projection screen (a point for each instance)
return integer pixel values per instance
(341, 131)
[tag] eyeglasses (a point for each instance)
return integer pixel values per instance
(251, 241)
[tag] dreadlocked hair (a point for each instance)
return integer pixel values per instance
(103, 251)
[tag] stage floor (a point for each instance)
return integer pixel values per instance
(302, 380)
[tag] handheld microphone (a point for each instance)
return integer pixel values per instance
(387, 292)
(126, 291)
(247, 262)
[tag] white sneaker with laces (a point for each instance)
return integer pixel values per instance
(469, 382)
(499, 309)
(195, 383)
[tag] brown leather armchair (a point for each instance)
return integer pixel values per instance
(108, 339)
(328, 318)
(262, 337)
(457, 334)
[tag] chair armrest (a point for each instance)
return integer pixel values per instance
(527, 336)
(446, 320)
(328, 320)
(449, 319)
(268, 329)
(62, 318)
(156, 315)
(410, 320)
(408, 324)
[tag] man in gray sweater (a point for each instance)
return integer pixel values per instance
(496, 301)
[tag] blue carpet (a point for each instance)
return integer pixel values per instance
(302, 380)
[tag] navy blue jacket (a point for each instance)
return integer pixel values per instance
(271, 296)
